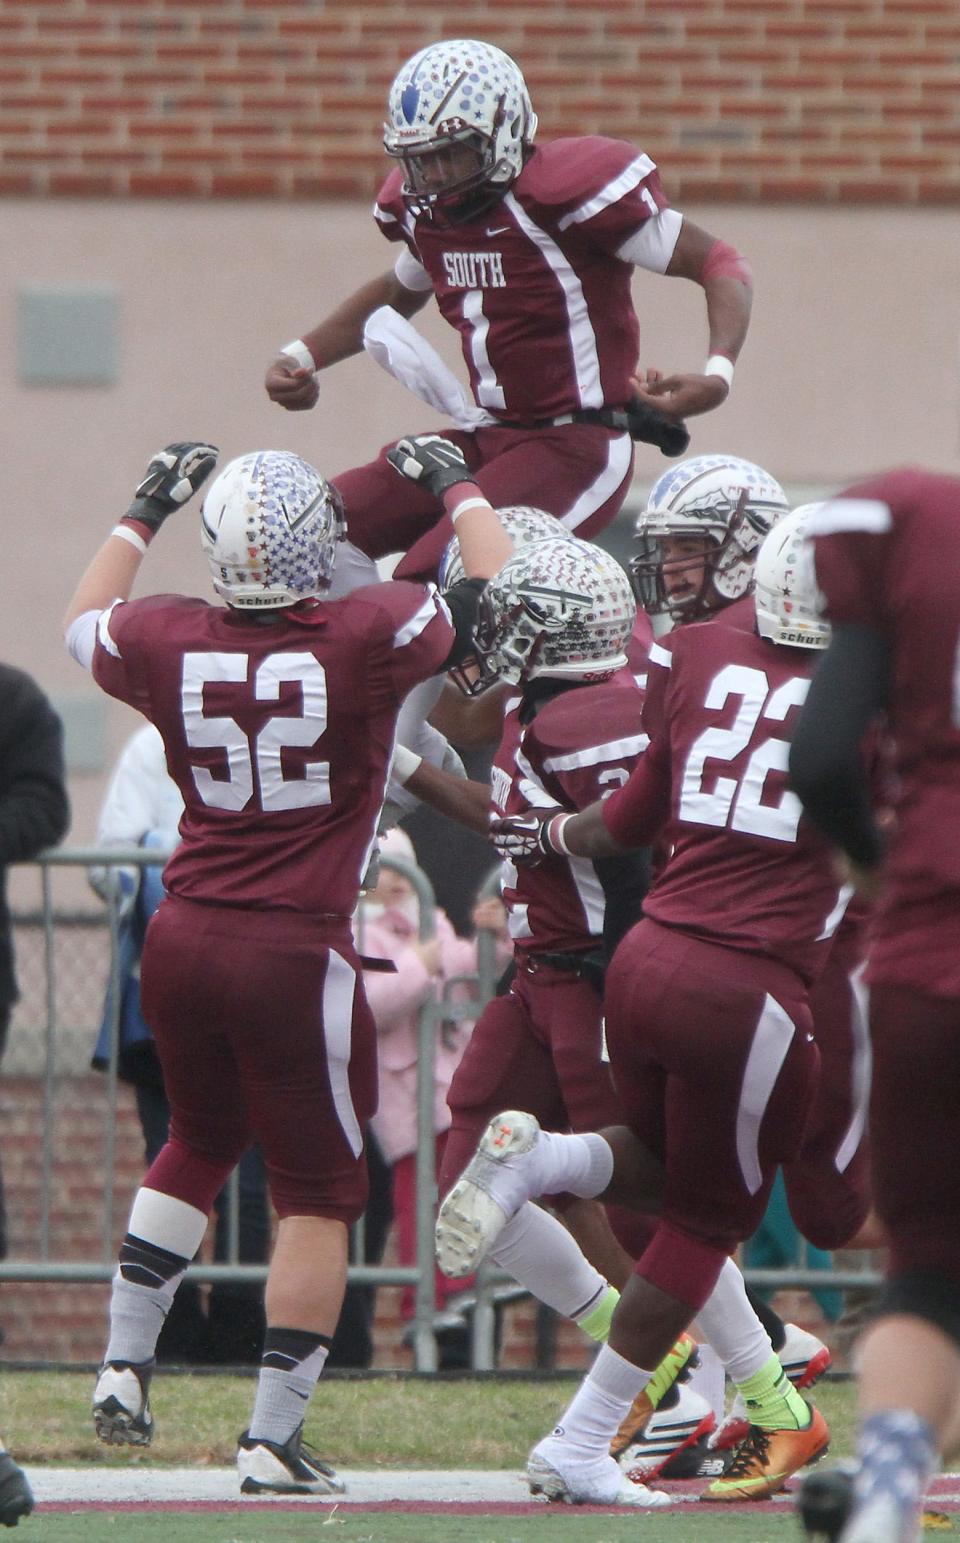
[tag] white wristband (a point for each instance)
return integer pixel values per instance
(126, 533)
(719, 364)
(555, 834)
(298, 350)
(405, 763)
(468, 503)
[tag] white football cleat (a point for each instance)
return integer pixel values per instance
(121, 1407)
(267, 1468)
(554, 1472)
(673, 1441)
(803, 1357)
(500, 1177)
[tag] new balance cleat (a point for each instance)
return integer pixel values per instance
(16, 1496)
(678, 1362)
(673, 1442)
(492, 1187)
(556, 1474)
(121, 1406)
(765, 1460)
(266, 1468)
(803, 1357)
(824, 1502)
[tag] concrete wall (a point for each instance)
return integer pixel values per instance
(851, 365)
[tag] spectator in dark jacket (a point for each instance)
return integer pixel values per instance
(34, 814)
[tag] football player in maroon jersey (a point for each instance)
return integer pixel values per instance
(529, 252)
(278, 714)
(698, 538)
(707, 1019)
(888, 564)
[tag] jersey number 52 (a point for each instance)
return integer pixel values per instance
(265, 748)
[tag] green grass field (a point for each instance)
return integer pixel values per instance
(388, 1422)
(356, 1423)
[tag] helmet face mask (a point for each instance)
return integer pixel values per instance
(730, 505)
(460, 120)
(559, 609)
(786, 596)
(269, 528)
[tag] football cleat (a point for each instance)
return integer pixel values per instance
(803, 1357)
(500, 1177)
(765, 1460)
(267, 1468)
(121, 1406)
(673, 1442)
(824, 1502)
(16, 1496)
(676, 1364)
(554, 1472)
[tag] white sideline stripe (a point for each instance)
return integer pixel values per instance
(117, 1485)
(107, 1486)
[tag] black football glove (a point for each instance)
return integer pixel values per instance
(670, 435)
(524, 839)
(433, 462)
(172, 477)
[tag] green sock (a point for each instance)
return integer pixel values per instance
(772, 1401)
(597, 1321)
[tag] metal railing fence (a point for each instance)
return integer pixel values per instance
(67, 959)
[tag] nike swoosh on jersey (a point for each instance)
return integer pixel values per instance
(498, 230)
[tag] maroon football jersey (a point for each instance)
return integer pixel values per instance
(746, 869)
(278, 735)
(580, 746)
(888, 557)
(533, 284)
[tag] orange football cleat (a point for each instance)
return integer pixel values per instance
(765, 1459)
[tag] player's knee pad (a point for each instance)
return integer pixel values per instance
(924, 1295)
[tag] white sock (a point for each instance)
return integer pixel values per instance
(732, 1327)
(163, 1235)
(593, 1418)
(538, 1251)
(578, 1165)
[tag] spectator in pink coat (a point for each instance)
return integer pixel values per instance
(390, 930)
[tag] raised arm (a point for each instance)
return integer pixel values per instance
(291, 380)
(172, 477)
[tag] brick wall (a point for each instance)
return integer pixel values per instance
(66, 1323)
(739, 100)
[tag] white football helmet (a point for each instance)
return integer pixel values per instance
(786, 595)
(464, 93)
(521, 521)
(733, 504)
(560, 608)
(269, 529)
